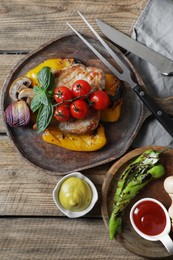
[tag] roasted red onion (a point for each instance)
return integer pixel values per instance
(17, 114)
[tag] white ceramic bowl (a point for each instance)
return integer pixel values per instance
(73, 214)
(164, 235)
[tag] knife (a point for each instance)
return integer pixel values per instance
(164, 65)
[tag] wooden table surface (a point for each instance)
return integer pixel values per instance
(31, 227)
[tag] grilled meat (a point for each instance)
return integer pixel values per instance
(81, 126)
(96, 78)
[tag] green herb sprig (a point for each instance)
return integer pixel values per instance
(43, 97)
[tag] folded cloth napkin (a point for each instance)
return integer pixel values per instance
(154, 28)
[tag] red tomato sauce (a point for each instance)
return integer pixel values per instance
(149, 218)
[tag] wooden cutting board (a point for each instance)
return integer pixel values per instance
(155, 189)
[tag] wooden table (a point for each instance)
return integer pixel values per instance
(31, 227)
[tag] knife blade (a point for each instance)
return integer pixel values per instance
(164, 65)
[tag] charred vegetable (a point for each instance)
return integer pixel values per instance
(114, 89)
(54, 64)
(138, 174)
(84, 142)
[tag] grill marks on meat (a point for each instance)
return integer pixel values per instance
(81, 126)
(94, 76)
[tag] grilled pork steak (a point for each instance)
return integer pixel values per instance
(81, 126)
(96, 78)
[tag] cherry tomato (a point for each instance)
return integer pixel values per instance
(81, 88)
(99, 100)
(79, 109)
(62, 94)
(62, 113)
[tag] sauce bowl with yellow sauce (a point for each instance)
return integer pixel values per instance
(75, 195)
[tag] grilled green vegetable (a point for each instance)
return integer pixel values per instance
(138, 174)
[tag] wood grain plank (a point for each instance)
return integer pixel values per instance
(58, 238)
(26, 190)
(32, 23)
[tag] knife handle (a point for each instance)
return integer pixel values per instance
(165, 120)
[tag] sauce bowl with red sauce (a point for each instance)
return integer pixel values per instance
(151, 220)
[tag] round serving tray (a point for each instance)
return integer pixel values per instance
(59, 160)
(155, 189)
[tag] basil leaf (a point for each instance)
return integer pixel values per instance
(52, 82)
(40, 97)
(44, 98)
(44, 116)
(35, 103)
(44, 77)
(37, 90)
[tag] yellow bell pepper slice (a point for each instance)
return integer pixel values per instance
(54, 64)
(111, 84)
(111, 114)
(83, 143)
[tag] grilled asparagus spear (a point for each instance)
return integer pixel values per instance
(134, 178)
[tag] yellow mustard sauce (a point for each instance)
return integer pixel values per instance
(75, 194)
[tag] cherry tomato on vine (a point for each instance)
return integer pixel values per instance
(99, 100)
(81, 88)
(79, 109)
(62, 113)
(62, 94)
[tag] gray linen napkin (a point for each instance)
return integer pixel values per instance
(154, 28)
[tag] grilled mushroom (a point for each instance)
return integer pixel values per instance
(18, 85)
(27, 94)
